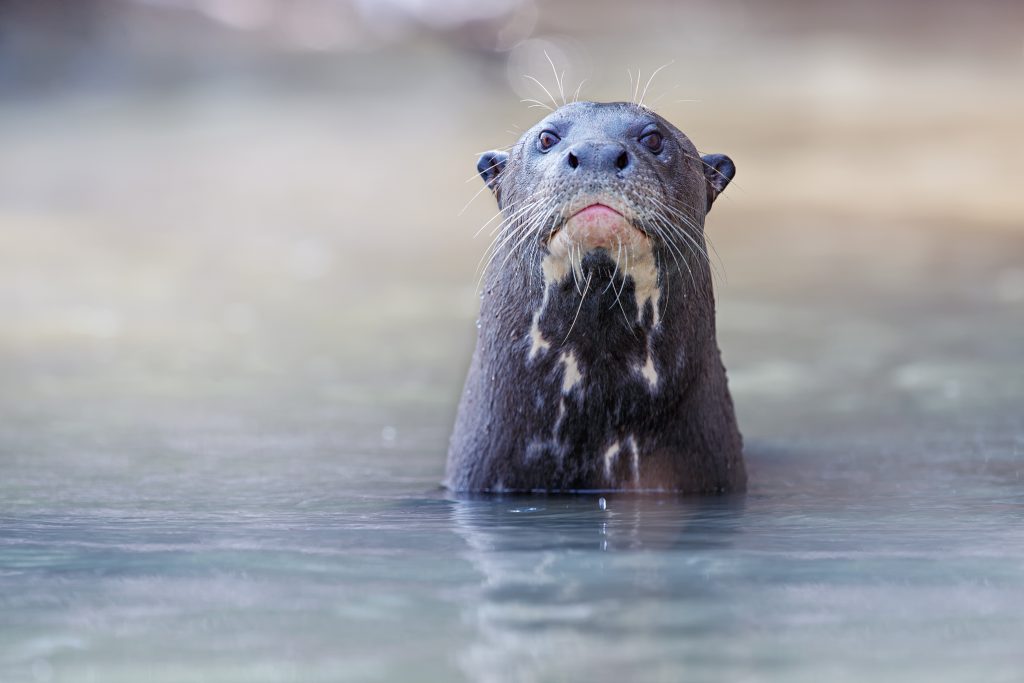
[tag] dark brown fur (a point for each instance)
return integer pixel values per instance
(518, 428)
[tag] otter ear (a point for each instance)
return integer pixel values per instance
(718, 171)
(490, 165)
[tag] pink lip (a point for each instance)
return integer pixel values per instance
(595, 210)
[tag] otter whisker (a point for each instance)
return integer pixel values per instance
(667, 232)
(572, 265)
(687, 221)
(535, 259)
(488, 222)
(642, 96)
(512, 209)
(527, 230)
(497, 228)
(524, 221)
(579, 258)
(475, 195)
(558, 81)
(618, 291)
(576, 95)
(615, 271)
(506, 148)
(571, 257)
(662, 279)
(546, 91)
(501, 212)
(672, 228)
(721, 264)
(662, 96)
(487, 259)
(536, 103)
(673, 248)
(524, 228)
(659, 227)
(700, 254)
(518, 213)
(583, 296)
(706, 241)
(527, 225)
(618, 297)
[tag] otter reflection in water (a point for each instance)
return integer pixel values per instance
(569, 591)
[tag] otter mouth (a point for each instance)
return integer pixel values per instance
(596, 211)
(596, 223)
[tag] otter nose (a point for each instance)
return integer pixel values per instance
(606, 157)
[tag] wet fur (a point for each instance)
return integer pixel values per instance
(518, 429)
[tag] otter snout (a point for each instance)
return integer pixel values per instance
(598, 156)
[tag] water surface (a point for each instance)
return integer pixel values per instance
(278, 546)
(228, 379)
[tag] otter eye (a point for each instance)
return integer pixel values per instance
(547, 140)
(653, 141)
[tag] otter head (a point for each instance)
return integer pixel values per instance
(613, 178)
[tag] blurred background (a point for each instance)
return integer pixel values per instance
(207, 200)
(237, 303)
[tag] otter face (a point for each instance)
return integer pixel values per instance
(614, 176)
